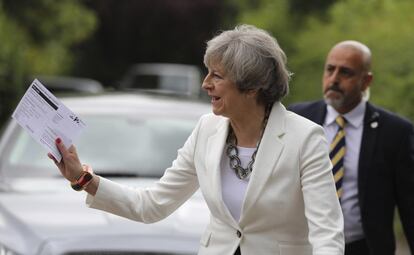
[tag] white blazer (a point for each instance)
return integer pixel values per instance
(290, 206)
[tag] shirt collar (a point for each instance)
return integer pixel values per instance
(355, 117)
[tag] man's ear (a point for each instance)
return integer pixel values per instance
(367, 80)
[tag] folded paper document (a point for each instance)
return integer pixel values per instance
(45, 118)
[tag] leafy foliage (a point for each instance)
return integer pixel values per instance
(36, 37)
(272, 16)
(11, 64)
(51, 28)
(386, 31)
(307, 33)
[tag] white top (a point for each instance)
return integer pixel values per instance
(234, 189)
(353, 135)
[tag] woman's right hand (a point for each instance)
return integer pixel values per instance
(70, 165)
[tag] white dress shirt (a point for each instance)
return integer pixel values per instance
(353, 135)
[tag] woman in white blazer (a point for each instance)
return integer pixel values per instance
(263, 171)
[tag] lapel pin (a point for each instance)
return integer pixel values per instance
(374, 124)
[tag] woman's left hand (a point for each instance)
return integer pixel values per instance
(70, 165)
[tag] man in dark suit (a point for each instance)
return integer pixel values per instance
(378, 158)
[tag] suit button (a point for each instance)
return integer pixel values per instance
(239, 234)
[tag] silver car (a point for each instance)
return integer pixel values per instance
(167, 77)
(69, 84)
(131, 139)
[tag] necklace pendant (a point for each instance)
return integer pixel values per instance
(242, 174)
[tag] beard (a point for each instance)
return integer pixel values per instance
(336, 103)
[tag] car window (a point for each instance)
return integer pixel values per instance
(144, 82)
(175, 83)
(143, 146)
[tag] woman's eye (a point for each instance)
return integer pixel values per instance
(216, 75)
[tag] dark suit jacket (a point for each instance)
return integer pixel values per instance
(385, 174)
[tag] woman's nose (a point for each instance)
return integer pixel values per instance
(206, 83)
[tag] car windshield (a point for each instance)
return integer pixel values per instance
(176, 83)
(114, 145)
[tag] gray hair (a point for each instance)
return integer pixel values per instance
(253, 60)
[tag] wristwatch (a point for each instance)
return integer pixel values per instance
(82, 181)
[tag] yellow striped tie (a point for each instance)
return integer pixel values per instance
(337, 153)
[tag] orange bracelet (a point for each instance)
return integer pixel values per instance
(82, 181)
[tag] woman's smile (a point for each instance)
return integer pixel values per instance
(214, 99)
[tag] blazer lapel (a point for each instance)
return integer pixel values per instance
(215, 146)
(369, 135)
(320, 113)
(268, 154)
